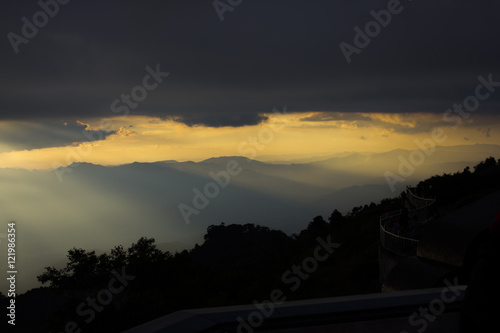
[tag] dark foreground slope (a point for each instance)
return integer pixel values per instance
(236, 264)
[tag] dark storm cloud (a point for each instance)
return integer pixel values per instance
(408, 123)
(263, 55)
(486, 132)
(235, 120)
(333, 116)
(29, 135)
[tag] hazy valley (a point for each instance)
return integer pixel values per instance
(97, 207)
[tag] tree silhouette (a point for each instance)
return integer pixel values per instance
(487, 164)
(336, 219)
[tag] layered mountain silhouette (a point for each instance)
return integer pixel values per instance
(97, 206)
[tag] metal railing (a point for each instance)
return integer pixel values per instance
(416, 201)
(399, 244)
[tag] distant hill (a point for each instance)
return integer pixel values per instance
(97, 206)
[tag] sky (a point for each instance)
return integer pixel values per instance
(122, 81)
(117, 82)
